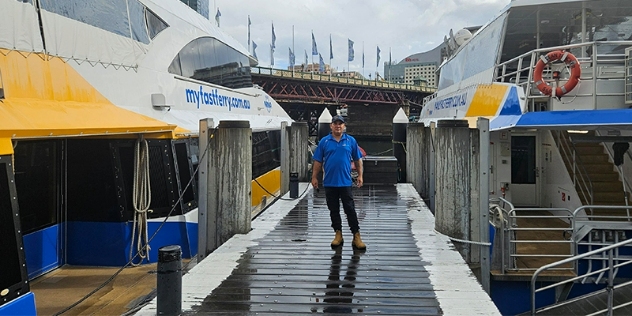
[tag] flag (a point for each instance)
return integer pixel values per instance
(314, 48)
(321, 66)
(273, 38)
(331, 50)
(377, 64)
(271, 55)
(292, 58)
(362, 58)
(306, 61)
(254, 52)
(390, 57)
(217, 15)
(351, 52)
(249, 23)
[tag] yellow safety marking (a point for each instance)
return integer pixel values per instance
(271, 181)
(487, 100)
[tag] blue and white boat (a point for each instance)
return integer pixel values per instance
(554, 77)
(84, 86)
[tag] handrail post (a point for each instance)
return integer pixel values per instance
(610, 288)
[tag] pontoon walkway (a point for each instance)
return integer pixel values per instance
(286, 266)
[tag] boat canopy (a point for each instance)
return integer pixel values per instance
(577, 119)
(22, 118)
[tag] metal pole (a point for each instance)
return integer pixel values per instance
(169, 282)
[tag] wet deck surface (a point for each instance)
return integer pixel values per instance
(286, 265)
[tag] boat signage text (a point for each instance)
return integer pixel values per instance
(451, 102)
(214, 98)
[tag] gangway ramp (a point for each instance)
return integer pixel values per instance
(285, 265)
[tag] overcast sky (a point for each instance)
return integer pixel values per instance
(405, 27)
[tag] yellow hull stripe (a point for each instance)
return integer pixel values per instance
(271, 181)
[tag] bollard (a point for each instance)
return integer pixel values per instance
(169, 284)
(294, 185)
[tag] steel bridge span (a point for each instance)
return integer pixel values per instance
(372, 103)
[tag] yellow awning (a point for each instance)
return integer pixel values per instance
(37, 118)
(6, 147)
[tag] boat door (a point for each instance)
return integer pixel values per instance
(524, 170)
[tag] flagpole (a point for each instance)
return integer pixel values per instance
(248, 33)
(362, 60)
(293, 50)
(389, 65)
(330, 51)
(312, 65)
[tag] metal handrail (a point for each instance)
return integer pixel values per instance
(518, 66)
(569, 152)
(338, 79)
(611, 266)
(509, 229)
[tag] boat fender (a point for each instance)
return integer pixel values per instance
(567, 58)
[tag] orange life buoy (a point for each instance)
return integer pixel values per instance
(567, 58)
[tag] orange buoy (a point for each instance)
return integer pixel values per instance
(567, 58)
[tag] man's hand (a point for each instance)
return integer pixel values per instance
(315, 183)
(359, 181)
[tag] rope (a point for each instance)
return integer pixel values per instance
(465, 241)
(401, 143)
(141, 196)
(278, 196)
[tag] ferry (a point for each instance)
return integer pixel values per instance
(554, 78)
(87, 89)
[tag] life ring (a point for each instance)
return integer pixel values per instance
(567, 58)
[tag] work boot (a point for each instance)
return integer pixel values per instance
(357, 242)
(338, 241)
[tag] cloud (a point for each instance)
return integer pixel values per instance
(405, 27)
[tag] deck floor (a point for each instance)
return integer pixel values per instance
(61, 288)
(285, 265)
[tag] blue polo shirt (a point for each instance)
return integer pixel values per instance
(336, 158)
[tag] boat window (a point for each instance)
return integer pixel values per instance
(212, 61)
(10, 263)
(480, 54)
(112, 16)
(92, 191)
(154, 23)
(137, 21)
(37, 180)
(266, 149)
(161, 176)
(560, 24)
(185, 171)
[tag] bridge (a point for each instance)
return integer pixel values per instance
(373, 103)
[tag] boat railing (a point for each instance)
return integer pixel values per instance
(581, 180)
(519, 70)
(611, 263)
(535, 226)
(340, 79)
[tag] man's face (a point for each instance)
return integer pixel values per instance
(337, 128)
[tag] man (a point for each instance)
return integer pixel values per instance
(335, 152)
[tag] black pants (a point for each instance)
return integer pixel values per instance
(333, 196)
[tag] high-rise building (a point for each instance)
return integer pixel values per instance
(201, 6)
(420, 67)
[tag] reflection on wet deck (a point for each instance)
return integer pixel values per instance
(286, 265)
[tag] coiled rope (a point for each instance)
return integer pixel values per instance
(141, 195)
